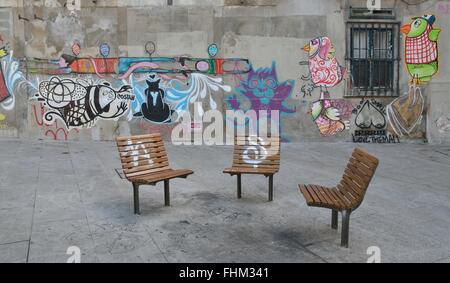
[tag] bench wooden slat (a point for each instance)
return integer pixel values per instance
(146, 167)
(138, 142)
(328, 199)
(360, 179)
(273, 163)
(146, 172)
(305, 192)
(268, 157)
(314, 195)
(318, 194)
(335, 198)
(257, 139)
(154, 163)
(138, 137)
(129, 159)
(344, 191)
(247, 157)
(250, 171)
(237, 163)
(148, 146)
(351, 187)
(161, 175)
(342, 200)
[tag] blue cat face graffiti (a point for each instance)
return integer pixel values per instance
(262, 84)
(262, 91)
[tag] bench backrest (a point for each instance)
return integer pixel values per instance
(142, 155)
(358, 175)
(257, 152)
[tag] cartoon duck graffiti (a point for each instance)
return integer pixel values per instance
(421, 48)
(325, 70)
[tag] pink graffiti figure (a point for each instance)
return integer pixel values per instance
(323, 65)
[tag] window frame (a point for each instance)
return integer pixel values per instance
(372, 26)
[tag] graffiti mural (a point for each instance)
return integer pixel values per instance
(324, 69)
(371, 123)
(11, 79)
(79, 104)
(155, 108)
(53, 131)
(332, 116)
(405, 114)
(159, 98)
(262, 91)
(421, 48)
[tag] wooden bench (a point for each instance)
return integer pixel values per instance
(145, 162)
(348, 195)
(255, 156)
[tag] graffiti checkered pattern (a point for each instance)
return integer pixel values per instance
(421, 50)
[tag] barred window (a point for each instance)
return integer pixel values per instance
(372, 55)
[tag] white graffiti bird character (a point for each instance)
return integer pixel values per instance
(80, 104)
(324, 69)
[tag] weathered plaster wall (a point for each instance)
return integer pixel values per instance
(263, 31)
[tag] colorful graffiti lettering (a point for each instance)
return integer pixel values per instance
(324, 69)
(332, 116)
(262, 91)
(124, 67)
(371, 123)
(79, 104)
(421, 48)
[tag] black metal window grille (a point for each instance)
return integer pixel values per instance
(373, 50)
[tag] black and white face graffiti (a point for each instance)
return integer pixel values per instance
(80, 104)
(155, 108)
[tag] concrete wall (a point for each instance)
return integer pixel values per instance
(267, 32)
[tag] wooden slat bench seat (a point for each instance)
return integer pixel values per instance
(348, 195)
(145, 162)
(255, 156)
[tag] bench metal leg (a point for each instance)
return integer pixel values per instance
(271, 188)
(334, 219)
(239, 186)
(136, 198)
(345, 228)
(167, 193)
